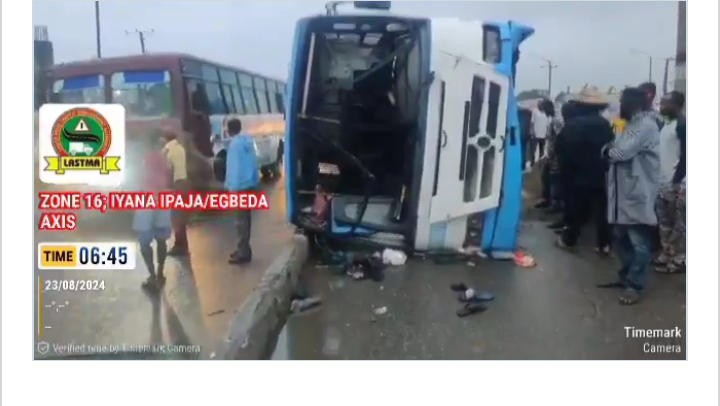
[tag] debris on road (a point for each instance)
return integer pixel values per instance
(523, 259)
(393, 257)
(468, 294)
(380, 311)
(301, 305)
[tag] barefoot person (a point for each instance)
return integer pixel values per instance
(176, 156)
(241, 175)
(154, 225)
(632, 190)
(671, 197)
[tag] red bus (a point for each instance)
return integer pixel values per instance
(195, 96)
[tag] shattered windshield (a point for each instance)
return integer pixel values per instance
(145, 94)
(81, 89)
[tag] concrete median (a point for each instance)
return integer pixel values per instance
(256, 325)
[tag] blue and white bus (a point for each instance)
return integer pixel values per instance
(410, 125)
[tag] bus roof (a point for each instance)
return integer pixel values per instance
(142, 61)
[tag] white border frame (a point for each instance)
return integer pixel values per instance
(73, 383)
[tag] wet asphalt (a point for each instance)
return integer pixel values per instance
(189, 320)
(550, 312)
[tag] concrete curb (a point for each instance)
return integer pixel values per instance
(256, 325)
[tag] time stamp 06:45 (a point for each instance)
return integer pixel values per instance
(87, 256)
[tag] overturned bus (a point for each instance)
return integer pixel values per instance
(403, 131)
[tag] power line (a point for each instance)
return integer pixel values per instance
(142, 35)
(550, 66)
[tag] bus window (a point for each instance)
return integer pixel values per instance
(192, 68)
(143, 93)
(248, 95)
(280, 102)
(249, 100)
(492, 48)
(229, 99)
(83, 89)
(273, 101)
(215, 97)
(245, 80)
(210, 73)
(261, 95)
(198, 96)
(235, 91)
(228, 77)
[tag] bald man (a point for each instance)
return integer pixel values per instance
(176, 156)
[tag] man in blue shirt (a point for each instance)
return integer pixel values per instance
(241, 175)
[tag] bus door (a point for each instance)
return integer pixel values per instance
(473, 132)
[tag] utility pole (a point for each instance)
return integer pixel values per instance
(142, 35)
(650, 62)
(666, 73)
(550, 66)
(97, 29)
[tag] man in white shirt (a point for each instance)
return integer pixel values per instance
(540, 127)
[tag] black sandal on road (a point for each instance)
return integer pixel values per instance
(472, 308)
(611, 285)
(458, 287)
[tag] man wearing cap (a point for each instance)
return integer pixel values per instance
(584, 170)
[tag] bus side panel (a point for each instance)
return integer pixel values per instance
(293, 100)
(502, 225)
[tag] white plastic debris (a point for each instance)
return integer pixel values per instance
(393, 257)
(380, 311)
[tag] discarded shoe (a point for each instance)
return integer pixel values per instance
(471, 295)
(458, 287)
(472, 308)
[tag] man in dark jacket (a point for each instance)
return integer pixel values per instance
(584, 170)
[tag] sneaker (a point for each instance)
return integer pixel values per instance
(630, 297)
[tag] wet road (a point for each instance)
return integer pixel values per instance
(552, 311)
(189, 320)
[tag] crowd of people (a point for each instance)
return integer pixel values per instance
(165, 168)
(629, 184)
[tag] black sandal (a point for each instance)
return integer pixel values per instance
(471, 308)
(458, 287)
(611, 285)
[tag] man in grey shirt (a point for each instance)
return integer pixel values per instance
(632, 190)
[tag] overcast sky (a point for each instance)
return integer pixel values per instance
(589, 41)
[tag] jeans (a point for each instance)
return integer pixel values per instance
(634, 245)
